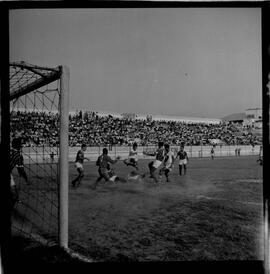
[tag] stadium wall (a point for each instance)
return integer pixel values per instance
(93, 152)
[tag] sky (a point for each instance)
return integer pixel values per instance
(193, 62)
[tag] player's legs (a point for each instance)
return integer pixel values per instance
(161, 172)
(153, 174)
(180, 169)
(102, 174)
(126, 162)
(150, 166)
(22, 173)
(185, 169)
(166, 172)
(14, 196)
(77, 180)
(153, 166)
(105, 175)
(14, 192)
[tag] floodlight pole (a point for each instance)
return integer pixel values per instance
(63, 158)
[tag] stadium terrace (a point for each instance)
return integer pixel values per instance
(40, 128)
(152, 117)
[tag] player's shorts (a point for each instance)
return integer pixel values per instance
(12, 182)
(182, 162)
(156, 164)
(113, 178)
(79, 165)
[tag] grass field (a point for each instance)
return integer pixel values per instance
(214, 212)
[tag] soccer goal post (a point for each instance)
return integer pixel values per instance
(63, 160)
(39, 115)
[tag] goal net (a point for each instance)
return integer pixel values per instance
(35, 115)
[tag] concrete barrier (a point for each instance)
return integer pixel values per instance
(42, 154)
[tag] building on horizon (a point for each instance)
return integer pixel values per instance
(252, 117)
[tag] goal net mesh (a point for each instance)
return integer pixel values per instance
(34, 117)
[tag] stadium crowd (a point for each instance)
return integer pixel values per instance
(41, 128)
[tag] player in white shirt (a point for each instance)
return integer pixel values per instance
(167, 163)
(133, 157)
(154, 165)
(79, 166)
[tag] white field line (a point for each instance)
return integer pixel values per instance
(223, 199)
(40, 239)
(74, 254)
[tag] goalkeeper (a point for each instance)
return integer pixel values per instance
(16, 160)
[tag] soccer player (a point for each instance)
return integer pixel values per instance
(239, 150)
(133, 157)
(183, 159)
(212, 153)
(167, 162)
(260, 158)
(52, 156)
(154, 165)
(105, 171)
(79, 166)
(16, 160)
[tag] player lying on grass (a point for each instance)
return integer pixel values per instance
(183, 159)
(167, 163)
(16, 159)
(154, 165)
(105, 171)
(79, 166)
(133, 157)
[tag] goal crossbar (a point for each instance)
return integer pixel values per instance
(44, 78)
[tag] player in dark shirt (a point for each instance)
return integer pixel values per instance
(260, 158)
(16, 160)
(183, 159)
(105, 170)
(212, 153)
(154, 165)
